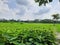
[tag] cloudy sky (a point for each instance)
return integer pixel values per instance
(27, 9)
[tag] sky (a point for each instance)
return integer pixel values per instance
(27, 9)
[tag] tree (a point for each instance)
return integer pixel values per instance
(36, 20)
(55, 17)
(43, 2)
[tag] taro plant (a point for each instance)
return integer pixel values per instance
(33, 37)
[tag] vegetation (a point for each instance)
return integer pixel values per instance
(43, 2)
(55, 17)
(26, 34)
(19, 32)
(32, 21)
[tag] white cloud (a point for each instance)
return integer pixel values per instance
(5, 12)
(21, 9)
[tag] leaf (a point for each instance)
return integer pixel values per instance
(50, 0)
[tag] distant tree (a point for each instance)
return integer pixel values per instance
(18, 20)
(43, 2)
(46, 21)
(36, 20)
(55, 17)
(3, 20)
(12, 20)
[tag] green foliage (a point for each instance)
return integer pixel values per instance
(50, 0)
(56, 16)
(25, 35)
(31, 37)
(43, 2)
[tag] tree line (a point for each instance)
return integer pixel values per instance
(53, 20)
(31, 21)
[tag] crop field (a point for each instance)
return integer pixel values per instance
(12, 27)
(10, 31)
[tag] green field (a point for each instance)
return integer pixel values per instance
(21, 33)
(12, 27)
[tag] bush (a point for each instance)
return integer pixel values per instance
(30, 37)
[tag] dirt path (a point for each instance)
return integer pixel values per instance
(58, 38)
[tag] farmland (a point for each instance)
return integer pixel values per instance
(27, 26)
(11, 31)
